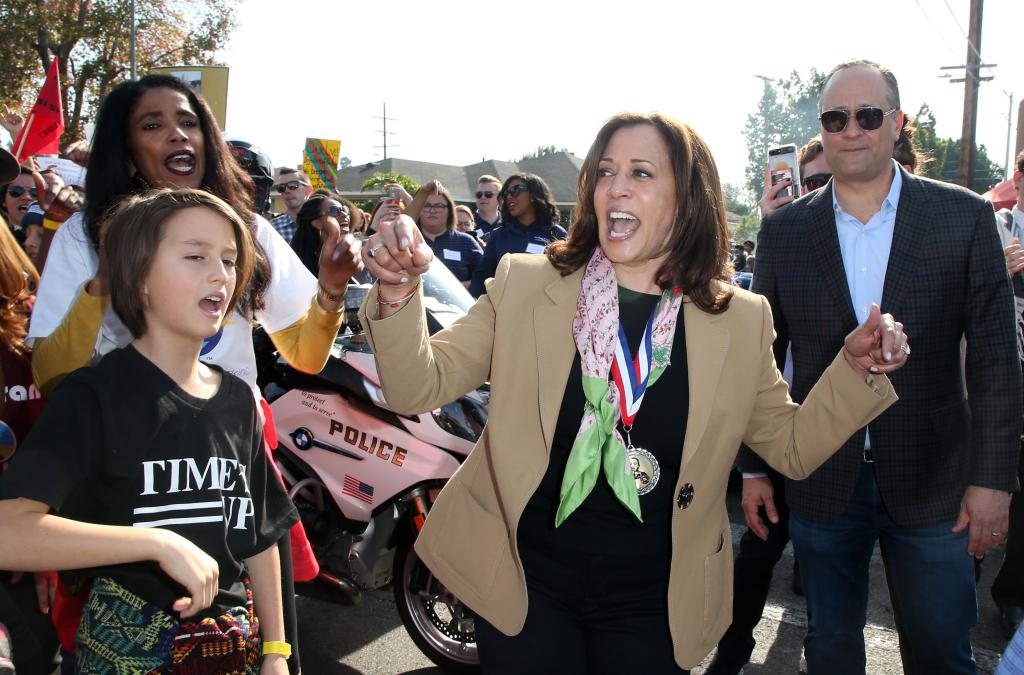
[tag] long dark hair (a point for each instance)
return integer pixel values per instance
(543, 203)
(698, 259)
(307, 240)
(109, 177)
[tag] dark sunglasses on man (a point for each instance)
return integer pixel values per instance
(17, 191)
(815, 181)
(486, 194)
(869, 118)
(290, 185)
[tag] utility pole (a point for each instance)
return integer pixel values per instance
(131, 44)
(972, 77)
(1019, 145)
(1009, 125)
(384, 132)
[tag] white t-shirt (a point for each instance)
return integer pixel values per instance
(72, 262)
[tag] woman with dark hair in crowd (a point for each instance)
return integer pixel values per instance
(588, 533)
(529, 222)
(459, 252)
(16, 196)
(321, 213)
(158, 132)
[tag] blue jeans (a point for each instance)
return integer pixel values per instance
(930, 577)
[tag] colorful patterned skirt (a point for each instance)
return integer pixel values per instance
(122, 633)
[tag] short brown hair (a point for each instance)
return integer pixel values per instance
(699, 256)
(810, 150)
(287, 171)
(488, 178)
(1020, 161)
(135, 233)
(452, 219)
(892, 87)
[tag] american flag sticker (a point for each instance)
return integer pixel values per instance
(358, 489)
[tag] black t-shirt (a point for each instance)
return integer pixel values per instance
(121, 444)
(601, 525)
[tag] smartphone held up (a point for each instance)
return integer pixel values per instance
(783, 165)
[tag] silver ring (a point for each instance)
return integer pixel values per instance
(373, 249)
(905, 348)
(996, 533)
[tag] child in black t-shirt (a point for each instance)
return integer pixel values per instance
(147, 474)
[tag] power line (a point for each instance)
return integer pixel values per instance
(963, 32)
(936, 28)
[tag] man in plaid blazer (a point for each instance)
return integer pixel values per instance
(930, 478)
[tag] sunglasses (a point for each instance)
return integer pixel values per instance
(484, 195)
(435, 207)
(336, 211)
(17, 191)
(516, 189)
(290, 185)
(816, 181)
(869, 118)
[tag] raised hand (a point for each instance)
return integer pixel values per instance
(878, 345)
(339, 256)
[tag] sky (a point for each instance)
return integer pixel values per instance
(471, 80)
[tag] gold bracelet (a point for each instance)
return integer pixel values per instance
(397, 303)
(277, 647)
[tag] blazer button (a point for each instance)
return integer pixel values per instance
(685, 496)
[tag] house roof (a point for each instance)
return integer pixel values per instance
(559, 170)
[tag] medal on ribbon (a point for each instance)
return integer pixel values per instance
(631, 375)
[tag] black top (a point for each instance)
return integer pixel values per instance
(601, 525)
(121, 444)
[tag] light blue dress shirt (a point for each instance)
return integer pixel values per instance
(865, 248)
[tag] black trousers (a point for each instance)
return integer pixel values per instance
(1008, 587)
(752, 576)
(587, 614)
(33, 638)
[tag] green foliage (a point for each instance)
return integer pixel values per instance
(786, 113)
(541, 151)
(738, 199)
(91, 38)
(941, 156)
(747, 228)
(378, 180)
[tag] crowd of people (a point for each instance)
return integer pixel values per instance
(588, 528)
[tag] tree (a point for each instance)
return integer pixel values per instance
(941, 156)
(543, 150)
(737, 199)
(747, 228)
(381, 178)
(91, 39)
(786, 113)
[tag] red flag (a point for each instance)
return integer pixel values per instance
(45, 124)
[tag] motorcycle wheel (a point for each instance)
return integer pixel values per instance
(437, 621)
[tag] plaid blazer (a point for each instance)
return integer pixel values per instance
(946, 277)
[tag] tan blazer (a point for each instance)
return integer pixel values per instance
(519, 336)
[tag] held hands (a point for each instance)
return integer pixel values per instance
(397, 254)
(987, 511)
(758, 492)
(878, 345)
(191, 567)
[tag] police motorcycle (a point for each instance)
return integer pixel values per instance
(364, 477)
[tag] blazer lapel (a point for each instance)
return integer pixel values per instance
(552, 326)
(825, 241)
(706, 347)
(909, 231)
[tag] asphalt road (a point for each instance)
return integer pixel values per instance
(369, 638)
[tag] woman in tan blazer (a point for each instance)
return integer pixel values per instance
(588, 528)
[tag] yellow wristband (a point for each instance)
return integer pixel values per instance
(277, 647)
(51, 224)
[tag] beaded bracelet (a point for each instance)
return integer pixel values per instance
(397, 303)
